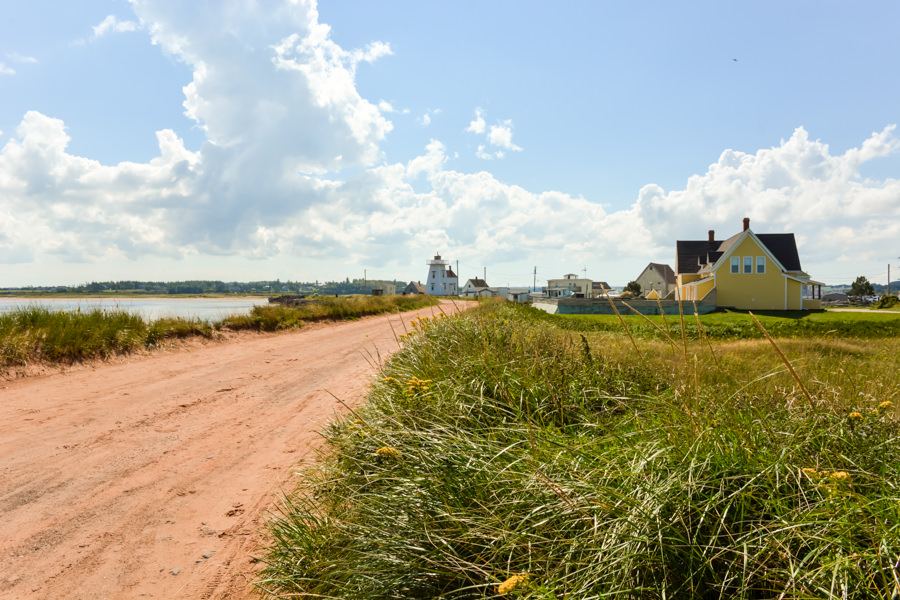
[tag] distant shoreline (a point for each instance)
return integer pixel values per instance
(220, 297)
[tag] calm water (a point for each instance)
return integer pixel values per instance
(208, 309)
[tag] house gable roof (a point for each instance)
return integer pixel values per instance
(696, 256)
(665, 271)
(477, 282)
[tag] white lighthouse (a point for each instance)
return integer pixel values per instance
(442, 281)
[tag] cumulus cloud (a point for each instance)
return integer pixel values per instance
(499, 136)
(285, 125)
(797, 186)
(113, 25)
(477, 124)
(426, 118)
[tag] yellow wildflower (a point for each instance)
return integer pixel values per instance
(855, 415)
(389, 379)
(511, 583)
(840, 476)
(885, 404)
(811, 473)
(874, 411)
(388, 451)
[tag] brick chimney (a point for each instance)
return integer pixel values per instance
(712, 235)
(746, 223)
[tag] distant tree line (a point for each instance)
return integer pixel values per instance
(274, 287)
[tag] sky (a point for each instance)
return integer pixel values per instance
(250, 140)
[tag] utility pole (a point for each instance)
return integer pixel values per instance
(485, 274)
(365, 277)
(534, 283)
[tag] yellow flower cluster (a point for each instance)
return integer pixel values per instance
(512, 583)
(833, 475)
(855, 415)
(417, 386)
(885, 405)
(830, 482)
(388, 451)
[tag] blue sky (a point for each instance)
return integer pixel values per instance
(238, 140)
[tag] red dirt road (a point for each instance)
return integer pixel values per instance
(151, 477)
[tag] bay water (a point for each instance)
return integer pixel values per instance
(207, 309)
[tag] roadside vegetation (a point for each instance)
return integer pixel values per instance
(506, 453)
(38, 334)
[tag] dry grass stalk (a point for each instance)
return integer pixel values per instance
(784, 359)
(663, 313)
(622, 321)
(658, 328)
(704, 336)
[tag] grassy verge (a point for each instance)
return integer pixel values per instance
(740, 326)
(38, 334)
(501, 456)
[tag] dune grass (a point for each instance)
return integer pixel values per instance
(273, 317)
(38, 334)
(499, 455)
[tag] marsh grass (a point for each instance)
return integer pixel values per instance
(533, 462)
(38, 334)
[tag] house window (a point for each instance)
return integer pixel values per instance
(748, 264)
(432, 287)
(760, 264)
(735, 264)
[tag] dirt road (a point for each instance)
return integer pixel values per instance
(151, 477)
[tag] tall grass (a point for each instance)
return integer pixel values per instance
(498, 456)
(272, 317)
(38, 334)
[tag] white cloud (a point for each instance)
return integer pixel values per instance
(112, 25)
(16, 57)
(499, 136)
(426, 118)
(4, 70)
(278, 101)
(477, 124)
(797, 186)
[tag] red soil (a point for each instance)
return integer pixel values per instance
(151, 477)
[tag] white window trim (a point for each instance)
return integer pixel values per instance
(763, 272)
(735, 265)
(747, 268)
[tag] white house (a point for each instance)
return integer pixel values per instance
(570, 285)
(472, 287)
(441, 280)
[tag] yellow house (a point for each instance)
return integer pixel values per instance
(748, 271)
